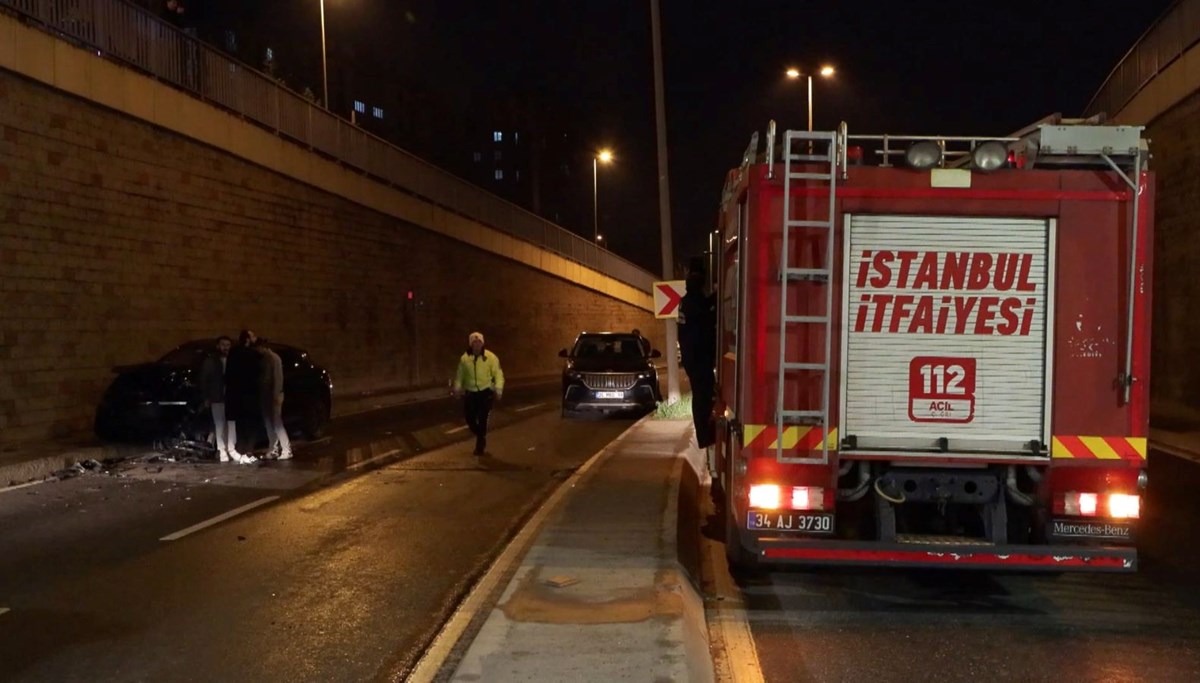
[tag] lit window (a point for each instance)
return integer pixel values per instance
(270, 54)
(360, 107)
(499, 174)
(377, 112)
(498, 155)
(478, 156)
(497, 136)
(517, 177)
(516, 138)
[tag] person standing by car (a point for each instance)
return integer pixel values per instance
(271, 401)
(480, 378)
(241, 392)
(642, 342)
(698, 346)
(212, 384)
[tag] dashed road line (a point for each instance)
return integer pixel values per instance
(4, 610)
(27, 484)
(525, 408)
(457, 430)
(374, 458)
(218, 519)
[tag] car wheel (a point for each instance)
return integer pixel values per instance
(316, 417)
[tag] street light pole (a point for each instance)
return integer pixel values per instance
(664, 200)
(324, 63)
(595, 202)
(810, 103)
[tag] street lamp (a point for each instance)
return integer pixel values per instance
(826, 71)
(604, 156)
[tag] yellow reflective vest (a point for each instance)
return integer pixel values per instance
(476, 373)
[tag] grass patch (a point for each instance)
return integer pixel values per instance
(679, 410)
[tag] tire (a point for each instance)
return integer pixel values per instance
(740, 559)
(316, 418)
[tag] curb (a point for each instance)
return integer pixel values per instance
(43, 467)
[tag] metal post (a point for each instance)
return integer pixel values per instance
(664, 199)
(595, 204)
(324, 63)
(810, 105)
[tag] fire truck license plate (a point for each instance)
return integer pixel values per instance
(941, 389)
(813, 523)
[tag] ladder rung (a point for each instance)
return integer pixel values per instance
(809, 157)
(809, 224)
(823, 319)
(805, 366)
(817, 274)
(802, 416)
(810, 176)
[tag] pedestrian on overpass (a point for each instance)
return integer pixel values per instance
(480, 381)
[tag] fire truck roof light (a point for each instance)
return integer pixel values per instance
(1124, 506)
(989, 156)
(766, 497)
(923, 154)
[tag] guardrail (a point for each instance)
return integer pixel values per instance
(1175, 32)
(126, 33)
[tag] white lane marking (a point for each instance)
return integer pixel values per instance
(4, 610)
(484, 593)
(218, 519)
(535, 405)
(372, 459)
(25, 485)
(458, 429)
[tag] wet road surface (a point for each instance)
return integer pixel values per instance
(909, 625)
(342, 577)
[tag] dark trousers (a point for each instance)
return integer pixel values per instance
(476, 408)
(704, 386)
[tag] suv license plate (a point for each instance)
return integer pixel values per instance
(808, 522)
(609, 394)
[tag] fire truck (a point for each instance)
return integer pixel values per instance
(934, 351)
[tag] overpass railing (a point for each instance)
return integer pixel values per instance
(126, 33)
(1175, 32)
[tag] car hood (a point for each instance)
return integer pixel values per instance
(153, 381)
(608, 365)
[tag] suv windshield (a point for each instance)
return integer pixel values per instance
(608, 346)
(185, 356)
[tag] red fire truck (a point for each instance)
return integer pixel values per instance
(934, 351)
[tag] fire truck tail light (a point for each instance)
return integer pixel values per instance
(1081, 504)
(1124, 506)
(808, 498)
(766, 497)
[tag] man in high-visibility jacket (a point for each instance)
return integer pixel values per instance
(480, 378)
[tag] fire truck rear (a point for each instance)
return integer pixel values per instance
(934, 351)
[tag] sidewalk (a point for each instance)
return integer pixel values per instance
(41, 460)
(601, 594)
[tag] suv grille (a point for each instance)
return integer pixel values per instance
(606, 381)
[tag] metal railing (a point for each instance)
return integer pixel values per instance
(1175, 32)
(128, 34)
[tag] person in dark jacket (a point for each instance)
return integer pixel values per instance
(242, 392)
(212, 384)
(698, 346)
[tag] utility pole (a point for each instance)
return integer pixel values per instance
(664, 199)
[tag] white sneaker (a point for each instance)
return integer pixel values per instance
(223, 457)
(285, 455)
(241, 459)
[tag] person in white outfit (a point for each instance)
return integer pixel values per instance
(271, 386)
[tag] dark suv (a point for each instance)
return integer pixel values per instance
(610, 372)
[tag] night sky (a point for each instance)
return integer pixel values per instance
(918, 67)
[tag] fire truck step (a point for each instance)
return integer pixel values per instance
(811, 274)
(926, 539)
(810, 176)
(799, 417)
(805, 366)
(822, 319)
(809, 224)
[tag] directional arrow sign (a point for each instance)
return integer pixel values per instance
(666, 298)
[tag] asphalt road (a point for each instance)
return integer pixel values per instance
(887, 625)
(335, 574)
